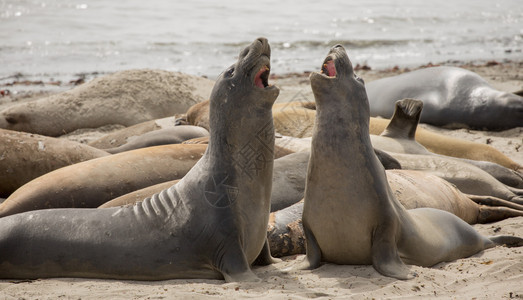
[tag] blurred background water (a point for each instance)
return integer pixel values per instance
(60, 39)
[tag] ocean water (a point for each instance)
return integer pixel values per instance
(63, 39)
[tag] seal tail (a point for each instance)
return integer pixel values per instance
(405, 120)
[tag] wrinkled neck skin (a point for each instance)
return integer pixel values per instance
(340, 104)
(235, 141)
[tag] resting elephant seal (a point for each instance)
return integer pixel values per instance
(466, 177)
(288, 181)
(197, 115)
(94, 182)
(296, 119)
(24, 157)
(165, 136)
(139, 195)
(122, 136)
(358, 220)
(212, 224)
(452, 97)
(399, 137)
(293, 119)
(125, 98)
(413, 189)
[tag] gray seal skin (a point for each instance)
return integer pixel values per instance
(120, 137)
(125, 98)
(467, 178)
(24, 157)
(358, 220)
(212, 224)
(413, 189)
(96, 181)
(399, 137)
(165, 136)
(288, 181)
(452, 97)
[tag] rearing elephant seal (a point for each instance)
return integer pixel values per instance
(452, 97)
(212, 224)
(358, 220)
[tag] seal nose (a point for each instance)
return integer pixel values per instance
(266, 49)
(263, 41)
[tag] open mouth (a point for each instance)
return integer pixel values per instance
(328, 68)
(261, 79)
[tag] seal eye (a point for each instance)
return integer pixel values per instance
(229, 72)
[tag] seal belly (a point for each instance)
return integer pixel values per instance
(349, 240)
(79, 243)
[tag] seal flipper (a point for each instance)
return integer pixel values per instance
(388, 162)
(405, 119)
(506, 240)
(313, 252)
(234, 266)
(265, 258)
(385, 257)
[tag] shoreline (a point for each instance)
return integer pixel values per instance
(21, 85)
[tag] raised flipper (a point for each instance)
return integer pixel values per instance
(385, 257)
(265, 258)
(405, 119)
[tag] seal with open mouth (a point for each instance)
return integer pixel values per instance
(358, 220)
(212, 224)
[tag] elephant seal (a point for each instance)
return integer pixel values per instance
(197, 115)
(452, 97)
(296, 119)
(212, 224)
(399, 137)
(466, 177)
(413, 189)
(125, 98)
(122, 136)
(165, 136)
(24, 157)
(358, 220)
(139, 195)
(293, 119)
(288, 181)
(449, 146)
(94, 182)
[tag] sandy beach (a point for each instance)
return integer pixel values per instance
(496, 273)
